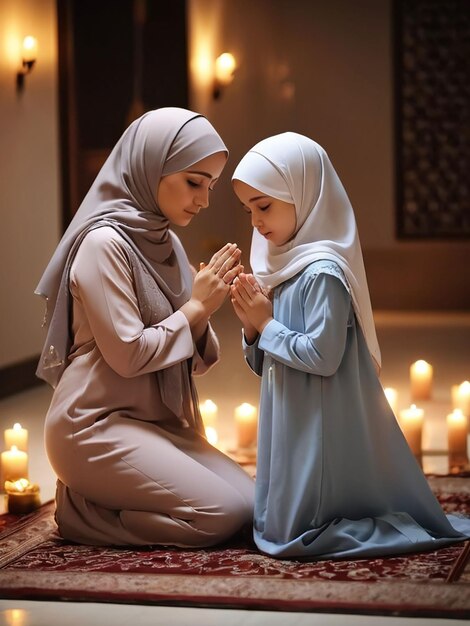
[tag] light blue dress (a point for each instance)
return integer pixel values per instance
(335, 476)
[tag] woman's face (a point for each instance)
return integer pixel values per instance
(182, 195)
(274, 219)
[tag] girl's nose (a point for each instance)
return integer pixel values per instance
(255, 220)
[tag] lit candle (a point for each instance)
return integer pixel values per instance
(457, 430)
(246, 419)
(411, 423)
(208, 411)
(22, 496)
(421, 380)
(14, 464)
(392, 396)
(461, 397)
(16, 436)
(211, 435)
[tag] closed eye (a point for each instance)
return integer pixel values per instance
(263, 208)
(194, 184)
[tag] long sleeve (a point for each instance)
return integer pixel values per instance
(318, 350)
(101, 281)
(253, 355)
(207, 354)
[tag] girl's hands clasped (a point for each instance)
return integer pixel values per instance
(252, 305)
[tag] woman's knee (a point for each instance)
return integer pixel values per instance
(220, 520)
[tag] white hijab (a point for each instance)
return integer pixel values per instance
(297, 170)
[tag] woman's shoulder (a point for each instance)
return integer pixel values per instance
(102, 239)
(102, 236)
(103, 243)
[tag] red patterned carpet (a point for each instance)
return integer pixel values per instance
(36, 564)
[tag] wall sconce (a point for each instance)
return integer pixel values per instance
(225, 66)
(29, 53)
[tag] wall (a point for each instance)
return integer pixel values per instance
(320, 68)
(29, 174)
(323, 69)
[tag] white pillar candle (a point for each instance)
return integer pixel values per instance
(411, 423)
(421, 380)
(246, 419)
(457, 431)
(392, 397)
(209, 412)
(461, 397)
(14, 464)
(16, 436)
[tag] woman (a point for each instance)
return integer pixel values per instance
(127, 328)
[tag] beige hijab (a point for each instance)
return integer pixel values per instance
(123, 196)
(297, 170)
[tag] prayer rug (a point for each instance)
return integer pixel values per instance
(35, 563)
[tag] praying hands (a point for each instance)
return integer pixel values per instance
(251, 304)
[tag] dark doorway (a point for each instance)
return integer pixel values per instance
(116, 61)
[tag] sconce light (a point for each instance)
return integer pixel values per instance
(225, 66)
(29, 53)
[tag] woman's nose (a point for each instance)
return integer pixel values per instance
(202, 200)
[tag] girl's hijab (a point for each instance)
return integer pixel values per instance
(123, 196)
(297, 170)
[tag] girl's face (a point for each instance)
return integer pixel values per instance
(182, 195)
(272, 218)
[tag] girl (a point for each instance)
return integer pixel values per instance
(126, 331)
(335, 477)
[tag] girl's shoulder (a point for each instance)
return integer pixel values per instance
(324, 267)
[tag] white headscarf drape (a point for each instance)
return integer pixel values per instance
(297, 170)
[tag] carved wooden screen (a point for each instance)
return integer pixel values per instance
(432, 62)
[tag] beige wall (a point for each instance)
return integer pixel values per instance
(29, 174)
(337, 56)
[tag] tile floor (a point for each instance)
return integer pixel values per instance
(441, 339)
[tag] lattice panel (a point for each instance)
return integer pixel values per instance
(433, 118)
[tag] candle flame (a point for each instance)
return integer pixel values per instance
(211, 435)
(421, 366)
(246, 409)
(457, 416)
(208, 406)
(22, 485)
(17, 426)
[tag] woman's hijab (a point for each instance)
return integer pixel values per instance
(123, 196)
